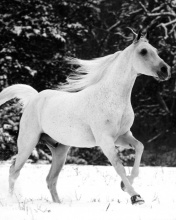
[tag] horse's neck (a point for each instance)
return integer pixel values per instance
(120, 78)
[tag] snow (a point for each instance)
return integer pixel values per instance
(88, 192)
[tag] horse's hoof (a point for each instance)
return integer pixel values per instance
(122, 185)
(137, 200)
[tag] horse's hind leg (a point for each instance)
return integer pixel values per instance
(28, 138)
(59, 154)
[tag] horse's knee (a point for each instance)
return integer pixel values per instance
(134, 174)
(139, 147)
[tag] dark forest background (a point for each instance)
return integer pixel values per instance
(37, 35)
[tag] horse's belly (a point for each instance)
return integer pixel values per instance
(73, 135)
(63, 119)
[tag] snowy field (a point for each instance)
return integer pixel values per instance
(88, 192)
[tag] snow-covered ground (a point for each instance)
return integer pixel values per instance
(88, 192)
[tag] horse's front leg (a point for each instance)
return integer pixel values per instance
(128, 140)
(108, 147)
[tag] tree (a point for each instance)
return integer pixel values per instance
(153, 102)
(36, 36)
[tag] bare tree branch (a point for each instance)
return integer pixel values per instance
(144, 8)
(163, 103)
(161, 14)
(122, 35)
(164, 26)
(155, 137)
(172, 14)
(135, 12)
(158, 8)
(173, 29)
(165, 30)
(171, 22)
(113, 26)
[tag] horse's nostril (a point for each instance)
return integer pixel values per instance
(163, 72)
(164, 69)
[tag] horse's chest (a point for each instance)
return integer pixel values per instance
(125, 122)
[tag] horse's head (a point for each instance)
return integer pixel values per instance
(146, 59)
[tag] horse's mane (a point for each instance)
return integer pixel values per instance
(88, 73)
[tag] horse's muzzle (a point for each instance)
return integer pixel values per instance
(163, 73)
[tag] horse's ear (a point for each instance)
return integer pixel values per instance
(139, 35)
(136, 37)
(147, 35)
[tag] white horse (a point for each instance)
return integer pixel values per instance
(91, 109)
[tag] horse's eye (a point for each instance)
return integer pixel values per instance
(143, 52)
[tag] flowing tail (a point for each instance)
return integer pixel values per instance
(23, 92)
